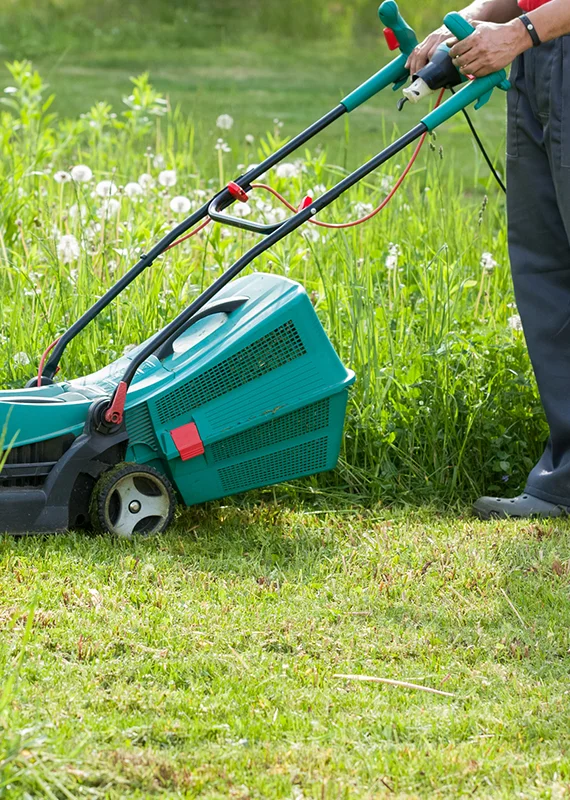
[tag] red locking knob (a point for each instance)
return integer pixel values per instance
(391, 39)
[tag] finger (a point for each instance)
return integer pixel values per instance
(472, 67)
(481, 70)
(432, 51)
(461, 48)
(418, 60)
(451, 42)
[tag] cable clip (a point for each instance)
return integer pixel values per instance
(236, 191)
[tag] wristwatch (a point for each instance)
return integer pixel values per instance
(529, 25)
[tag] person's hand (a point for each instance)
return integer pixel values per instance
(423, 53)
(491, 48)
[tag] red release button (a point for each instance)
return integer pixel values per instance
(391, 40)
(187, 441)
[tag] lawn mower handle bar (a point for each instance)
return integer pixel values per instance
(395, 72)
(476, 90)
(223, 199)
(283, 230)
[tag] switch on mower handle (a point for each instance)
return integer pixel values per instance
(390, 15)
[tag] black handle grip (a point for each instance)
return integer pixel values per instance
(225, 306)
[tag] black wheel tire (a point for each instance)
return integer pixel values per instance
(145, 489)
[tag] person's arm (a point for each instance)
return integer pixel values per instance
(483, 10)
(493, 47)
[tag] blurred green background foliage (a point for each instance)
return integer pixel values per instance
(38, 27)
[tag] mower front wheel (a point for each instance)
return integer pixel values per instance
(132, 500)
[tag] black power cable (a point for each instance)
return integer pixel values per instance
(486, 155)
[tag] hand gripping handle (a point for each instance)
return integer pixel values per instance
(477, 91)
(390, 15)
(461, 29)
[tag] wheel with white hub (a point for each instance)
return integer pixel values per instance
(132, 500)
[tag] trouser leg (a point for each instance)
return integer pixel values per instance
(539, 246)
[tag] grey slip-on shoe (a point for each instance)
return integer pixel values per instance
(525, 506)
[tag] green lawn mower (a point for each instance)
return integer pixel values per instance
(242, 390)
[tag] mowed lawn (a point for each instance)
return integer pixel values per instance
(203, 663)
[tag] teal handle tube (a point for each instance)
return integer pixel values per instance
(390, 15)
(458, 25)
(395, 72)
(478, 90)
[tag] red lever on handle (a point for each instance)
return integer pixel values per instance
(391, 39)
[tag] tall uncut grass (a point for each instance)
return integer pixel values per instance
(418, 302)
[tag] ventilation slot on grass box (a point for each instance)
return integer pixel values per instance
(305, 420)
(140, 427)
(273, 350)
(300, 460)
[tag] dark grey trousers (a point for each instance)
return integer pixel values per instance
(538, 156)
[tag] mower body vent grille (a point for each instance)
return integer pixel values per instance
(140, 427)
(304, 459)
(273, 350)
(28, 466)
(305, 420)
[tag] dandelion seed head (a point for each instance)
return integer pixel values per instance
(146, 181)
(242, 210)
(362, 209)
(68, 248)
(180, 204)
(392, 257)
(81, 173)
(488, 263)
(225, 122)
(106, 189)
(287, 170)
(62, 176)
(21, 359)
(311, 234)
(167, 177)
(132, 189)
(109, 207)
(515, 323)
(275, 215)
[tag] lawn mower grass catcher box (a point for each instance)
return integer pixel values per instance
(263, 387)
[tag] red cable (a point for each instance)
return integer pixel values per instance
(377, 210)
(174, 244)
(189, 235)
(285, 202)
(43, 361)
